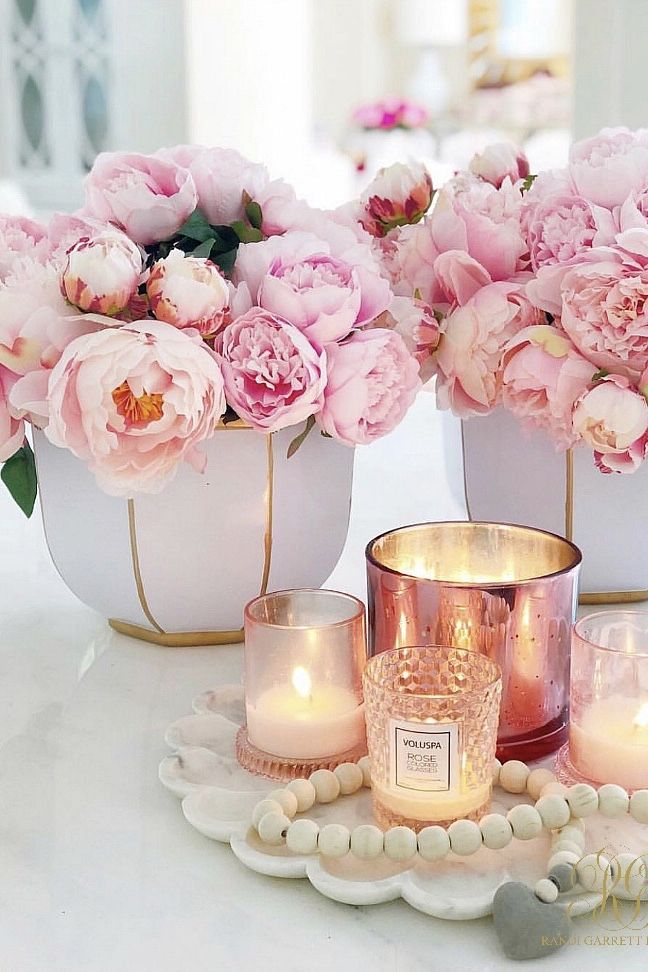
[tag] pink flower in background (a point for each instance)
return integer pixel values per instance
(604, 309)
(147, 196)
(398, 195)
(274, 377)
(21, 239)
(189, 292)
(500, 161)
(474, 216)
(372, 381)
(612, 418)
(12, 430)
(416, 323)
(605, 169)
(543, 375)
(133, 402)
(322, 296)
(102, 273)
(470, 351)
(391, 113)
(221, 177)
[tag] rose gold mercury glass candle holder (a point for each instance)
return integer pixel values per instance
(432, 715)
(509, 592)
(305, 651)
(608, 729)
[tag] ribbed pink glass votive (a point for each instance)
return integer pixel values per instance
(305, 651)
(432, 715)
(608, 723)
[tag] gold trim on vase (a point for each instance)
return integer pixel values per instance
(137, 573)
(177, 639)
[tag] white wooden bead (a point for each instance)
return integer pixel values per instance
(465, 837)
(594, 872)
(334, 840)
(263, 807)
(613, 800)
(554, 811)
(582, 799)
(572, 835)
(272, 827)
(639, 806)
(496, 831)
(365, 766)
(433, 843)
(575, 824)
(287, 800)
(630, 874)
(538, 778)
(513, 776)
(546, 890)
(302, 836)
(562, 857)
(496, 766)
(366, 842)
(525, 821)
(327, 785)
(400, 843)
(349, 776)
(305, 793)
(567, 845)
(553, 788)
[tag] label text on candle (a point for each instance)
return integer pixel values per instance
(424, 756)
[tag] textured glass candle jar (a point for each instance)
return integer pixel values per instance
(608, 728)
(432, 715)
(507, 591)
(305, 651)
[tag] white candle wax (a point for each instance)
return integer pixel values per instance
(610, 742)
(295, 721)
(432, 806)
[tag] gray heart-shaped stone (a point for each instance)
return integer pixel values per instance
(526, 927)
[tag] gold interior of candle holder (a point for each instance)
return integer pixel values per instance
(306, 609)
(477, 553)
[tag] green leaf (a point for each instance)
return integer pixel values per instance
(245, 233)
(299, 439)
(226, 260)
(19, 476)
(204, 249)
(254, 214)
(528, 182)
(600, 375)
(196, 227)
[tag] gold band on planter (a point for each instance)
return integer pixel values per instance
(186, 639)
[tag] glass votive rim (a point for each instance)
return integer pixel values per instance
(475, 526)
(486, 663)
(326, 595)
(609, 617)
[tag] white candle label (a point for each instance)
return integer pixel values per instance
(424, 756)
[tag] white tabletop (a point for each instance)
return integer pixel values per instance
(98, 869)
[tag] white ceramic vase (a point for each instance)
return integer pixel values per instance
(178, 568)
(516, 477)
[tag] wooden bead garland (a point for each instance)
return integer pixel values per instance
(558, 808)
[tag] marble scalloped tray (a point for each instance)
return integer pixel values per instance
(218, 797)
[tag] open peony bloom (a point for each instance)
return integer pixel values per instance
(416, 323)
(372, 381)
(608, 167)
(398, 195)
(146, 196)
(613, 419)
(102, 273)
(133, 402)
(188, 292)
(21, 239)
(498, 162)
(274, 377)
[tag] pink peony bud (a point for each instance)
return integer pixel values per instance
(188, 292)
(613, 419)
(498, 161)
(398, 195)
(102, 273)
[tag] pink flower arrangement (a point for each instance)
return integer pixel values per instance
(391, 113)
(191, 290)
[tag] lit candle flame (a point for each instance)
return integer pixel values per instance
(302, 682)
(640, 721)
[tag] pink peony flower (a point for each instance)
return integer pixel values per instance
(147, 196)
(21, 239)
(398, 195)
(498, 162)
(221, 176)
(473, 340)
(12, 430)
(409, 261)
(133, 402)
(543, 375)
(416, 323)
(613, 419)
(274, 377)
(66, 229)
(605, 169)
(322, 296)
(102, 273)
(604, 312)
(561, 227)
(372, 381)
(189, 292)
(281, 210)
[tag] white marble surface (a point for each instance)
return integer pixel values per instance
(99, 871)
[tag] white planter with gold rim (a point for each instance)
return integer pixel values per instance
(516, 477)
(177, 568)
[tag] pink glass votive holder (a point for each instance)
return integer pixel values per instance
(509, 592)
(305, 651)
(608, 724)
(432, 715)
